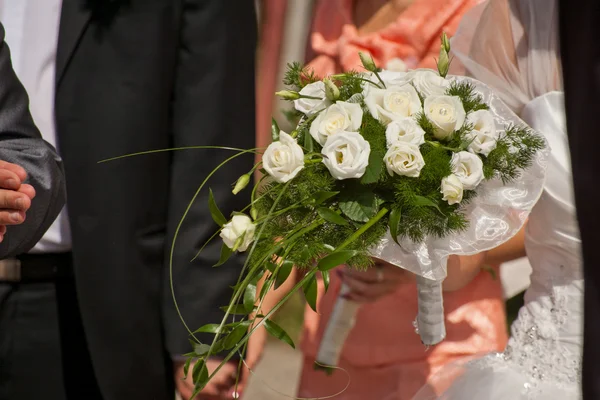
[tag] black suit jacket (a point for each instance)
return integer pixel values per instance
(581, 71)
(21, 143)
(137, 75)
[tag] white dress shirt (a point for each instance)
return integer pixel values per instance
(32, 36)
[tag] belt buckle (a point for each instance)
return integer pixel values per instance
(10, 270)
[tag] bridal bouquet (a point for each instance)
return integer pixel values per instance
(376, 154)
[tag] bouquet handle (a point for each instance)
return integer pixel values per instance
(338, 327)
(430, 319)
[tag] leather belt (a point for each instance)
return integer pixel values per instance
(36, 268)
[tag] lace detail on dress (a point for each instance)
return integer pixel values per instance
(540, 348)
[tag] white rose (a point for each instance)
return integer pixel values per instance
(312, 106)
(452, 189)
(404, 159)
(283, 159)
(389, 78)
(241, 229)
(346, 155)
(484, 135)
(396, 65)
(446, 113)
(404, 130)
(392, 103)
(428, 82)
(341, 116)
(468, 167)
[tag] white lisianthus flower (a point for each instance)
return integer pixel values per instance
(283, 159)
(404, 130)
(240, 230)
(404, 159)
(446, 113)
(341, 116)
(467, 167)
(396, 65)
(452, 189)
(484, 135)
(346, 155)
(312, 106)
(392, 103)
(428, 82)
(389, 77)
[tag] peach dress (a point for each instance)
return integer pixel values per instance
(383, 358)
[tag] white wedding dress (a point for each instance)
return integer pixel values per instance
(512, 46)
(543, 357)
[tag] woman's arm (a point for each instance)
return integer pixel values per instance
(463, 269)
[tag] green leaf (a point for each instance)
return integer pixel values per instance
(208, 328)
(266, 286)
(335, 259)
(325, 275)
(216, 214)
(274, 130)
(308, 142)
(425, 202)
(250, 293)
(374, 169)
(186, 367)
(238, 309)
(278, 332)
(331, 216)
(226, 252)
(201, 349)
(200, 374)
(284, 273)
(394, 221)
(235, 336)
(310, 290)
(359, 206)
(320, 197)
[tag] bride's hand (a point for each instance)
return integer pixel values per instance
(375, 283)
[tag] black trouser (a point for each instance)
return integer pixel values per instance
(43, 351)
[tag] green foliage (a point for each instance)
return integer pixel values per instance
(514, 152)
(351, 83)
(297, 76)
(469, 97)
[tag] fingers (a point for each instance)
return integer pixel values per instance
(14, 200)
(11, 217)
(2, 232)
(365, 292)
(9, 180)
(14, 168)
(27, 190)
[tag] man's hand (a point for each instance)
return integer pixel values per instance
(220, 386)
(15, 196)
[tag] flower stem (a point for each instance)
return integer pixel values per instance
(380, 80)
(440, 146)
(363, 229)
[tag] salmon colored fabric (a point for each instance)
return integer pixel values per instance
(414, 37)
(383, 355)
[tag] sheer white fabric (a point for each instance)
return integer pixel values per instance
(512, 45)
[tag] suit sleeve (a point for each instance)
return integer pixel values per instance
(22, 144)
(213, 105)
